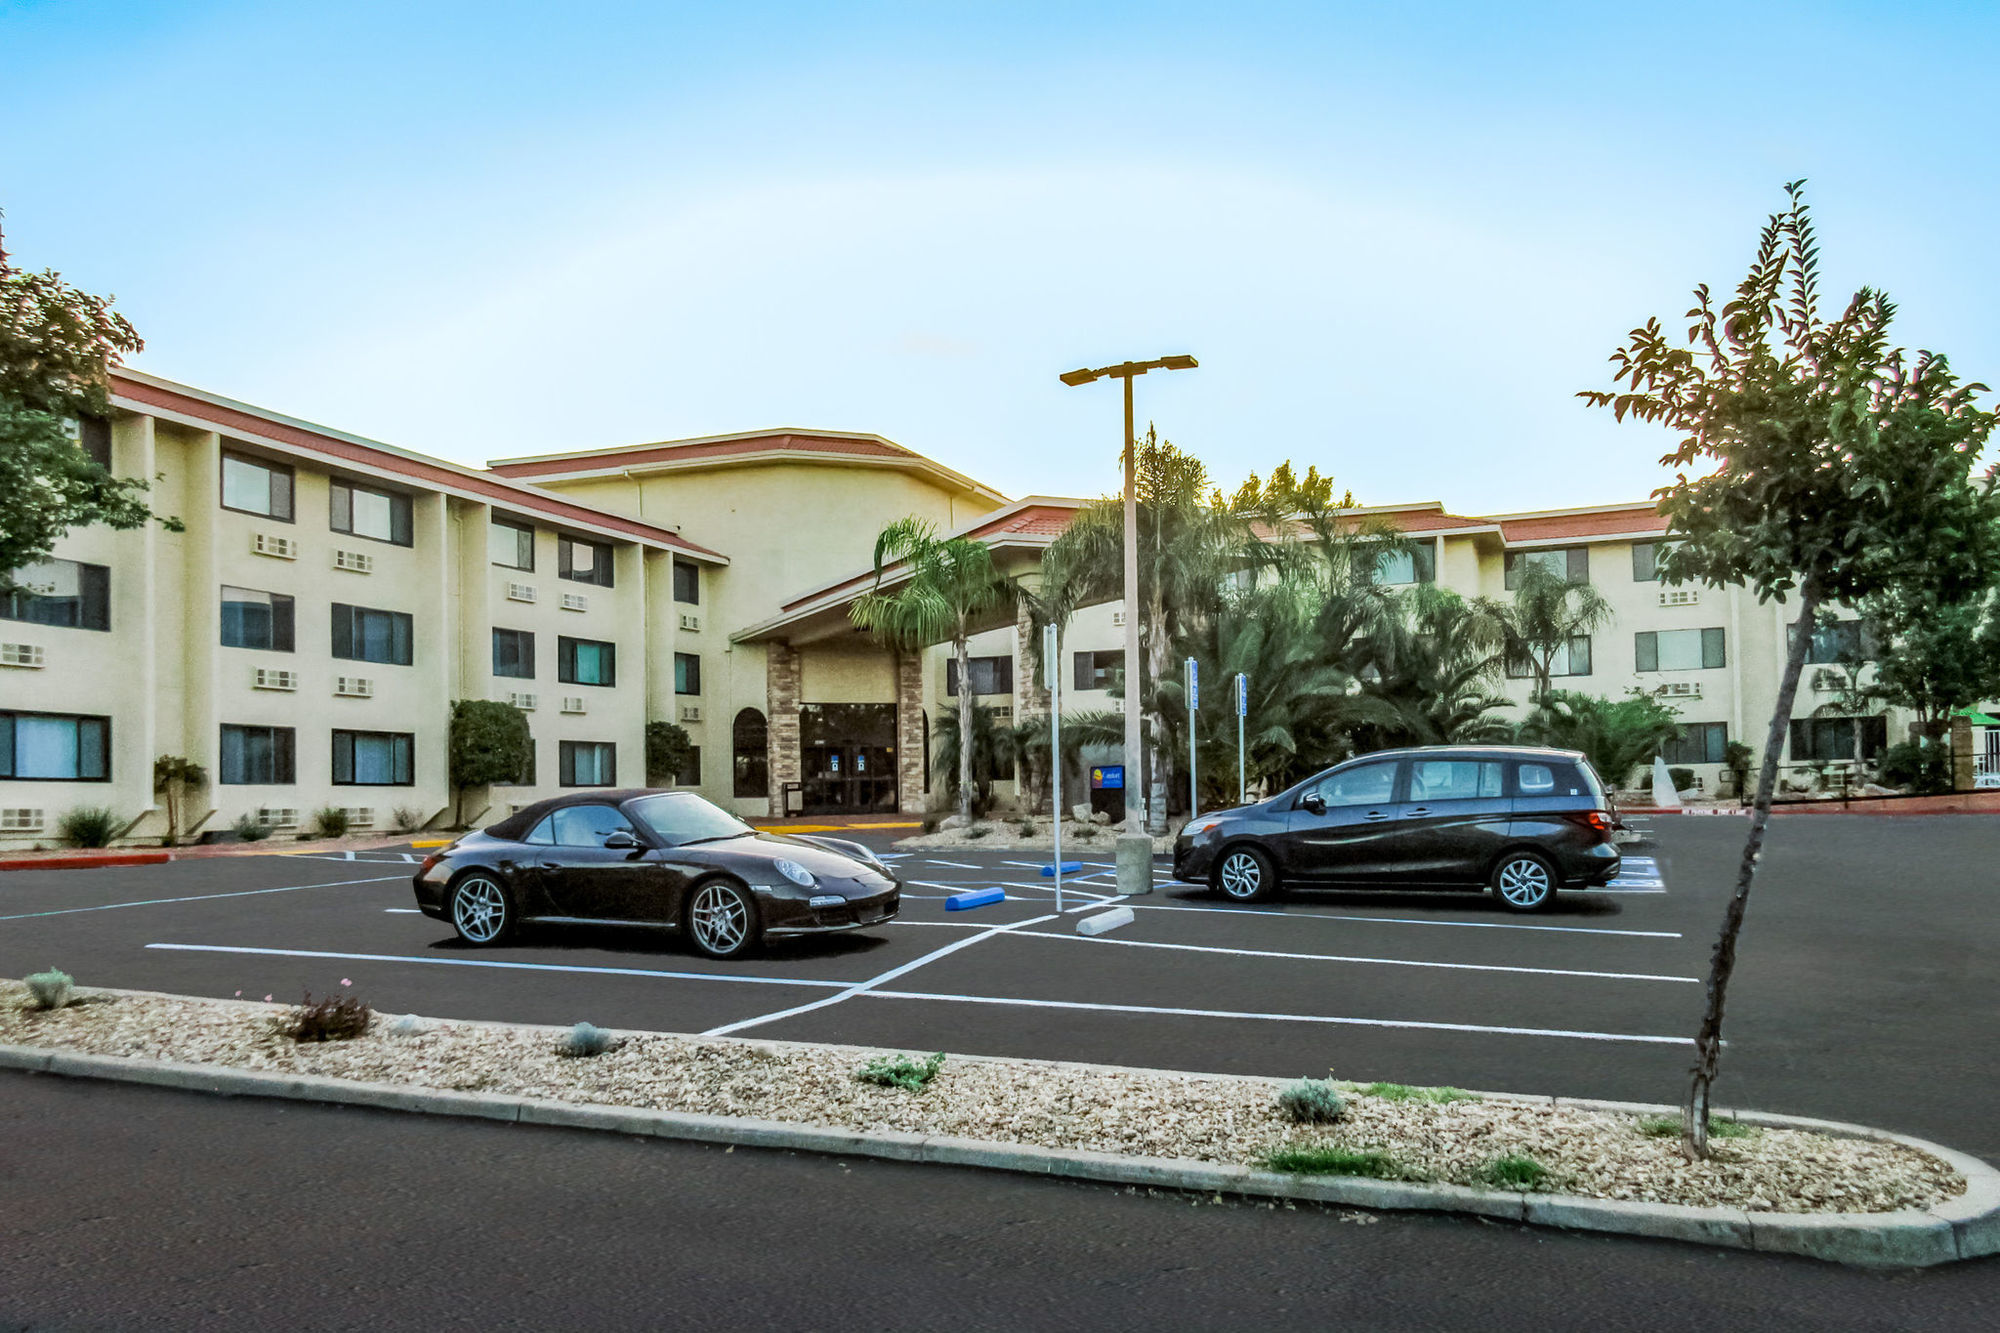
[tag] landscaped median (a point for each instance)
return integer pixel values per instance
(1777, 1183)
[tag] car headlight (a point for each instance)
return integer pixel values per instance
(1200, 826)
(795, 872)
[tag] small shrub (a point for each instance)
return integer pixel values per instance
(89, 826)
(251, 829)
(1669, 1127)
(932, 823)
(406, 819)
(1026, 828)
(1328, 1160)
(330, 822)
(1403, 1092)
(1311, 1101)
(901, 1072)
(977, 831)
(584, 1040)
(51, 989)
(340, 1017)
(1682, 778)
(1514, 1173)
(1084, 831)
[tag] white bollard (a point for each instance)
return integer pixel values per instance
(1103, 921)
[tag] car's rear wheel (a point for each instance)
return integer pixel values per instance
(1245, 875)
(722, 919)
(1524, 882)
(482, 912)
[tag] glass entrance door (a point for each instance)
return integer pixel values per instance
(848, 758)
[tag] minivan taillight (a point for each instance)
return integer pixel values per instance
(1593, 819)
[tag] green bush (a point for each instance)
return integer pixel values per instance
(51, 989)
(336, 1018)
(585, 1040)
(1328, 1160)
(251, 829)
(901, 1072)
(490, 743)
(330, 822)
(977, 831)
(932, 823)
(1515, 1173)
(1615, 735)
(668, 748)
(1925, 769)
(1026, 828)
(89, 826)
(1311, 1101)
(1403, 1092)
(1682, 778)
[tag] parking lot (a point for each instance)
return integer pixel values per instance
(1865, 990)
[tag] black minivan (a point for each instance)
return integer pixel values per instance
(1523, 822)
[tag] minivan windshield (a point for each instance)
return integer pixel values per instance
(679, 818)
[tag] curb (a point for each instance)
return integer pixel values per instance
(1966, 1227)
(85, 860)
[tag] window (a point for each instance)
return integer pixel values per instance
(1837, 641)
(1097, 671)
(1697, 743)
(586, 662)
(749, 739)
(1418, 564)
(55, 747)
(687, 583)
(1822, 739)
(382, 516)
(257, 756)
(679, 818)
(60, 592)
(687, 673)
(585, 562)
(581, 826)
(374, 758)
(93, 436)
(1454, 779)
(1646, 560)
(514, 653)
(990, 675)
(1678, 650)
(690, 769)
(363, 634)
(510, 544)
(1571, 659)
(1549, 780)
(1366, 784)
(1567, 562)
(254, 487)
(588, 764)
(252, 619)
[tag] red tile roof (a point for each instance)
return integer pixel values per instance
(1604, 523)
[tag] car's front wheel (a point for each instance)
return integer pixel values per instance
(1524, 882)
(481, 910)
(1245, 875)
(722, 920)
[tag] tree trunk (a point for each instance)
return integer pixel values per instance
(963, 646)
(1722, 963)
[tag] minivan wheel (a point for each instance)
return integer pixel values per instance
(1524, 882)
(1245, 875)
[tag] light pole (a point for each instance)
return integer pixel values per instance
(1139, 880)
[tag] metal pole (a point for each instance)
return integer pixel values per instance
(1135, 817)
(1194, 702)
(1242, 707)
(1052, 670)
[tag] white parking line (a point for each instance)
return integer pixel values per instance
(199, 897)
(1280, 1018)
(497, 963)
(1344, 958)
(962, 865)
(1402, 921)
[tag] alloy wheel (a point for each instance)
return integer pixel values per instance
(1240, 876)
(1524, 882)
(479, 910)
(720, 919)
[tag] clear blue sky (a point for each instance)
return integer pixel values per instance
(1399, 237)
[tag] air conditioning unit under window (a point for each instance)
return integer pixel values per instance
(278, 816)
(691, 623)
(359, 816)
(354, 687)
(1678, 689)
(1829, 680)
(20, 654)
(572, 703)
(520, 592)
(354, 562)
(575, 601)
(1118, 620)
(272, 678)
(1679, 596)
(21, 819)
(278, 548)
(690, 712)
(523, 701)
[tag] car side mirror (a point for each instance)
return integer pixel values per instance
(620, 841)
(1313, 802)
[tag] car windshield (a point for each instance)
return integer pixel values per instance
(679, 818)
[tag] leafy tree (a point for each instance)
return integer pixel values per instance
(949, 584)
(1549, 610)
(994, 745)
(1941, 655)
(1616, 735)
(174, 776)
(57, 345)
(1736, 760)
(490, 743)
(1813, 461)
(667, 749)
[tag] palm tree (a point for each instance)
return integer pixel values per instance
(949, 583)
(1549, 610)
(1435, 662)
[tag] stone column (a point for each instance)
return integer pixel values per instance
(911, 797)
(781, 697)
(1031, 691)
(1961, 754)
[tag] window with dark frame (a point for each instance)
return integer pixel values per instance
(511, 545)
(67, 594)
(1697, 743)
(687, 582)
(990, 675)
(1646, 560)
(366, 511)
(583, 562)
(55, 747)
(253, 619)
(1680, 649)
(253, 486)
(257, 757)
(750, 740)
(1096, 670)
(364, 634)
(374, 759)
(687, 673)
(1416, 563)
(1829, 739)
(588, 764)
(1571, 659)
(1836, 641)
(586, 661)
(514, 653)
(1567, 562)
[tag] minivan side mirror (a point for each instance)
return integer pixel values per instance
(1313, 802)
(620, 841)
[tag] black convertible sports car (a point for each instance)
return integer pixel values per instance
(653, 858)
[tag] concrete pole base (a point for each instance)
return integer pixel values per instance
(1135, 864)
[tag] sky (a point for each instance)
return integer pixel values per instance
(1399, 238)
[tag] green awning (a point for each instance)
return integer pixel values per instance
(1977, 718)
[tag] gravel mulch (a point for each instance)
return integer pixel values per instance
(1208, 1118)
